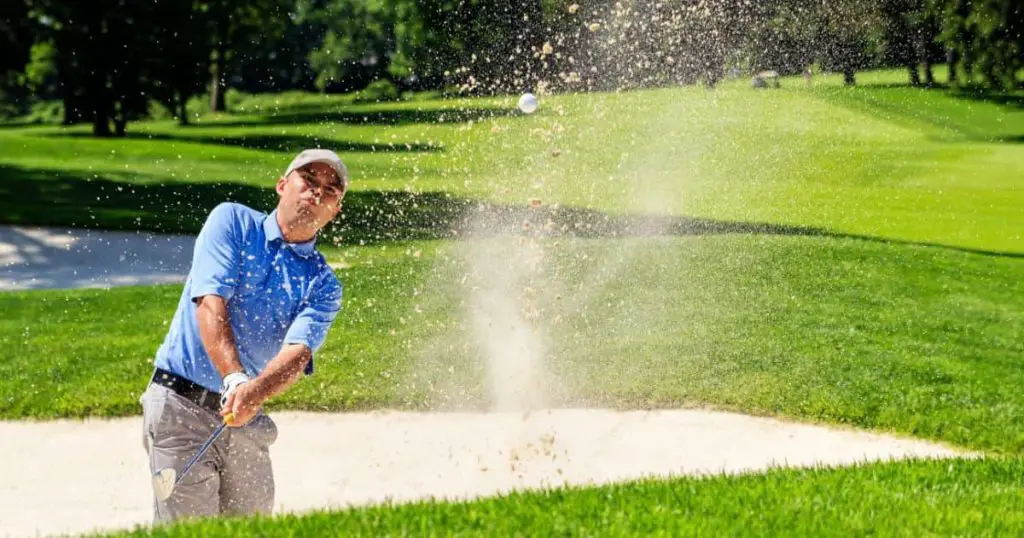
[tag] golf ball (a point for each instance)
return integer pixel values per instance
(528, 103)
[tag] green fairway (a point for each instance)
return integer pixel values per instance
(931, 166)
(849, 256)
(923, 341)
(975, 498)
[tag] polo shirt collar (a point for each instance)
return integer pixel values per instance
(273, 232)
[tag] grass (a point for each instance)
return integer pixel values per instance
(918, 340)
(836, 255)
(925, 498)
(878, 160)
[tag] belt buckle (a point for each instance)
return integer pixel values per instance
(213, 404)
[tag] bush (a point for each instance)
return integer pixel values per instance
(46, 112)
(378, 91)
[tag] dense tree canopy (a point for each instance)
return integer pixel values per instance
(109, 60)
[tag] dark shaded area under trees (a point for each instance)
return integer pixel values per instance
(108, 61)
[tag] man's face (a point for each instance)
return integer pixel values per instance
(311, 194)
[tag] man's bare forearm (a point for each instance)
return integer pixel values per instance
(282, 371)
(216, 334)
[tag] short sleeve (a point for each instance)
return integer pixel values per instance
(216, 257)
(314, 320)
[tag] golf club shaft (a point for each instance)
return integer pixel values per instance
(202, 450)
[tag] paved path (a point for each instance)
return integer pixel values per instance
(49, 258)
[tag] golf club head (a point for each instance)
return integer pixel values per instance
(163, 483)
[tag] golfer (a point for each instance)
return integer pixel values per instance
(257, 304)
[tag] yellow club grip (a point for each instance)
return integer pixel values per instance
(229, 418)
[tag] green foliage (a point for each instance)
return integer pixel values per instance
(987, 38)
(40, 75)
(474, 47)
(378, 91)
(357, 45)
(46, 112)
(16, 32)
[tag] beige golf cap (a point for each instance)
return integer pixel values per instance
(325, 156)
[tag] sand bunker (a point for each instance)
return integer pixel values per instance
(78, 476)
(46, 258)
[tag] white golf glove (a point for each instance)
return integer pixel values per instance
(231, 382)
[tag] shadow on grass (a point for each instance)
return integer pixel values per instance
(40, 197)
(297, 116)
(1007, 99)
(278, 143)
(4, 125)
(955, 116)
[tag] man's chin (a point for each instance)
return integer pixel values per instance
(310, 219)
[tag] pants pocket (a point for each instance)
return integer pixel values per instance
(153, 404)
(262, 430)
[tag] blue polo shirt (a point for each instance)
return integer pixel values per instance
(277, 293)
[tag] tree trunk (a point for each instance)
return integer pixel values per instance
(70, 107)
(219, 66)
(849, 76)
(915, 76)
(953, 62)
(71, 114)
(99, 103)
(217, 103)
(100, 122)
(182, 109)
(921, 47)
(120, 116)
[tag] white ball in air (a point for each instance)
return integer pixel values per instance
(528, 103)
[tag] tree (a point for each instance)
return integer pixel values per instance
(357, 43)
(909, 32)
(113, 55)
(178, 69)
(233, 24)
(17, 30)
(98, 50)
(985, 36)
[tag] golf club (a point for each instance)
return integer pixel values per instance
(165, 479)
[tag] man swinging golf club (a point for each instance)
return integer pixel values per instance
(257, 304)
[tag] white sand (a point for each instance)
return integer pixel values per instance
(77, 476)
(47, 258)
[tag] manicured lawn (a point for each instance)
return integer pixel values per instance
(961, 498)
(933, 166)
(920, 340)
(846, 256)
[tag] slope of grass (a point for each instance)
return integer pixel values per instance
(877, 160)
(923, 341)
(925, 498)
(776, 312)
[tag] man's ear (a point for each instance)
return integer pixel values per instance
(280, 185)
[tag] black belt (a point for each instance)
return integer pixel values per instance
(197, 394)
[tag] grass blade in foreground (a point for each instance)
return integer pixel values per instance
(920, 498)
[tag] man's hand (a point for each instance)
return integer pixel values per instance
(247, 398)
(244, 402)
(231, 382)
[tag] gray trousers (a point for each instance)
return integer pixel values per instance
(234, 477)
